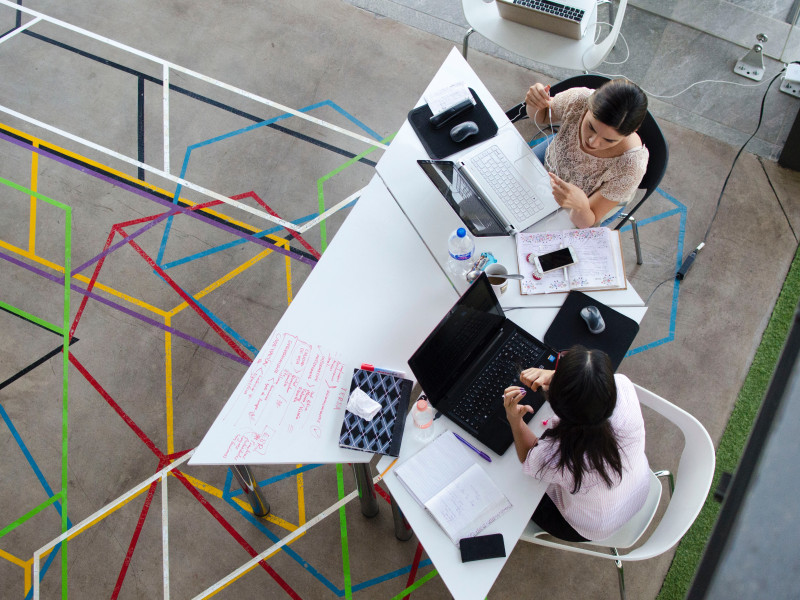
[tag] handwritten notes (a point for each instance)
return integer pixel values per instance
(292, 396)
(599, 266)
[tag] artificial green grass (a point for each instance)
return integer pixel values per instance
(690, 550)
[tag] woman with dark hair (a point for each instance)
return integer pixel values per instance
(592, 453)
(597, 160)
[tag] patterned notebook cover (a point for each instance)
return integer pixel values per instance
(384, 433)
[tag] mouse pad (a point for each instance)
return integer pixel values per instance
(569, 328)
(437, 142)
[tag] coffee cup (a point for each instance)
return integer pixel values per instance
(499, 284)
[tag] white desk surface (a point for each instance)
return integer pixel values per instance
(435, 220)
(471, 580)
(379, 315)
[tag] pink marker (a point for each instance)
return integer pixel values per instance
(545, 422)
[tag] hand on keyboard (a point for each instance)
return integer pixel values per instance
(536, 378)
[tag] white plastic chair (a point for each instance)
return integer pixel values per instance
(537, 45)
(691, 485)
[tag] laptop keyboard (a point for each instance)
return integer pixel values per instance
(496, 170)
(553, 8)
(484, 396)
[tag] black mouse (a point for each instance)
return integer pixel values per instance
(463, 130)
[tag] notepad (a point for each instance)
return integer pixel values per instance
(456, 491)
(600, 264)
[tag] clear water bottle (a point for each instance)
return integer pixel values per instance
(422, 415)
(461, 247)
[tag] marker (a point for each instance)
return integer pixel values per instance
(368, 367)
(483, 455)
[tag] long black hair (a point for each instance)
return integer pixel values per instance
(583, 395)
(620, 104)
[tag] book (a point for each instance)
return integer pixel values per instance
(600, 264)
(454, 489)
(384, 433)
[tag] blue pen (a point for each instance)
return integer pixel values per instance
(483, 455)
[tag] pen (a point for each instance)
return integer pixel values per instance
(483, 455)
(368, 367)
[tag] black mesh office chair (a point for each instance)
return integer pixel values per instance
(649, 132)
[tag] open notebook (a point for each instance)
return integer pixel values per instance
(456, 491)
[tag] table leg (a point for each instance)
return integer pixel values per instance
(366, 489)
(251, 490)
(402, 530)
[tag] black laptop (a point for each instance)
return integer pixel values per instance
(471, 356)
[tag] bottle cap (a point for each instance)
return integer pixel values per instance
(461, 232)
(422, 404)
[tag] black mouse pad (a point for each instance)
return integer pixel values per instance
(437, 142)
(569, 328)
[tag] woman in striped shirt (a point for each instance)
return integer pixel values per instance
(592, 453)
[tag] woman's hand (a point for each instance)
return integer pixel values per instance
(537, 102)
(511, 398)
(574, 199)
(536, 378)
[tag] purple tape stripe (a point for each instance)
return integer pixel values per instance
(59, 280)
(154, 198)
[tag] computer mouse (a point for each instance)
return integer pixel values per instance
(463, 130)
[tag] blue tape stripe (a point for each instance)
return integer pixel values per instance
(225, 327)
(392, 575)
(277, 478)
(236, 242)
(673, 317)
(351, 118)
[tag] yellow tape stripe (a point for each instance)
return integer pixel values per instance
(32, 217)
(222, 280)
(168, 385)
(11, 558)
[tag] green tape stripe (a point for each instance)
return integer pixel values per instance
(416, 584)
(28, 192)
(324, 178)
(34, 319)
(65, 394)
(348, 584)
(31, 513)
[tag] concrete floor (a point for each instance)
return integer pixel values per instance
(136, 395)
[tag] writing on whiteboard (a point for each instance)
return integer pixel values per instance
(287, 391)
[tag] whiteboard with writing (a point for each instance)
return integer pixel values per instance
(288, 408)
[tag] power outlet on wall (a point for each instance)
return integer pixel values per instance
(791, 80)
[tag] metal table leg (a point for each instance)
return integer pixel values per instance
(366, 489)
(251, 490)
(402, 530)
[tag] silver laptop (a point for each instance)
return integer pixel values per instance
(569, 18)
(500, 188)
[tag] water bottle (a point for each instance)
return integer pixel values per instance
(422, 415)
(461, 248)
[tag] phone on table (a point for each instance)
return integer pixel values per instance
(557, 259)
(482, 547)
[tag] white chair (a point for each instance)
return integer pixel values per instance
(537, 45)
(688, 493)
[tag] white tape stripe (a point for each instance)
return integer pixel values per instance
(19, 29)
(165, 104)
(289, 538)
(186, 71)
(165, 533)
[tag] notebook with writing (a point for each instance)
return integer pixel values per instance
(384, 433)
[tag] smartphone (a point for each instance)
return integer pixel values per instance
(482, 547)
(558, 259)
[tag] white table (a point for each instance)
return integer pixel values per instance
(373, 297)
(434, 219)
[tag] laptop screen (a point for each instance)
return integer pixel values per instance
(463, 198)
(465, 331)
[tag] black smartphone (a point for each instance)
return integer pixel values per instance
(481, 547)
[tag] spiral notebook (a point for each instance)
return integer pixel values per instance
(384, 433)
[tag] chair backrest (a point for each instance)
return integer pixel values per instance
(649, 132)
(692, 480)
(692, 483)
